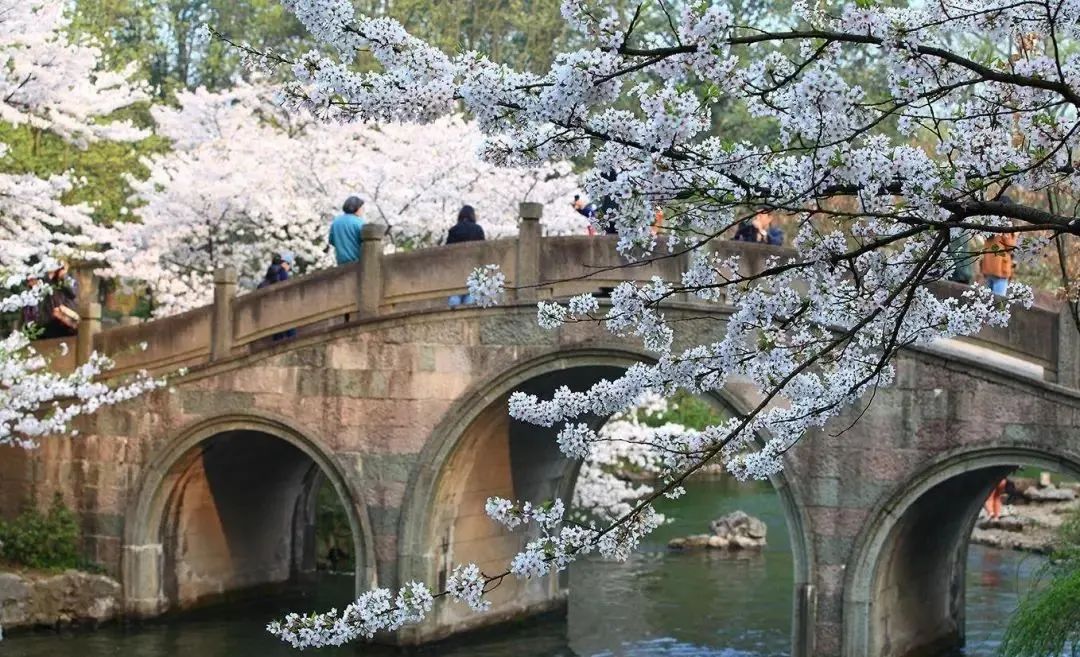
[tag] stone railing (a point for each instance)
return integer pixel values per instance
(400, 283)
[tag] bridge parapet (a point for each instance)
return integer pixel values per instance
(535, 267)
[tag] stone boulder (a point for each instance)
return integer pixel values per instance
(1005, 523)
(740, 530)
(735, 531)
(71, 597)
(1049, 494)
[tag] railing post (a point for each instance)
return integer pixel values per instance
(371, 274)
(89, 326)
(221, 328)
(87, 284)
(1068, 349)
(527, 277)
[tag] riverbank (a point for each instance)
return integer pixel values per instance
(1030, 522)
(30, 599)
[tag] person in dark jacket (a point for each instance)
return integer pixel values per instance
(466, 229)
(774, 236)
(58, 308)
(278, 271)
(31, 314)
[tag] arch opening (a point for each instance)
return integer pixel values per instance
(498, 456)
(906, 591)
(642, 602)
(480, 452)
(233, 510)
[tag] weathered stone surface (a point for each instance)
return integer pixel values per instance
(1007, 523)
(735, 531)
(31, 600)
(740, 530)
(718, 542)
(1049, 493)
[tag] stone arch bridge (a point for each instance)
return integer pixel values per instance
(398, 402)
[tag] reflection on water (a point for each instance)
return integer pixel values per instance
(694, 602)
(995, 580)
(659, 603)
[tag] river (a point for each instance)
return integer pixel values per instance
(659, 603)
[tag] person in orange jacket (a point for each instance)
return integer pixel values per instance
(996, 264)
(993, 504)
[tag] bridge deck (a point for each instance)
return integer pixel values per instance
(535, 268)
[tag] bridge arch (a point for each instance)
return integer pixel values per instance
(156, 519)
(904, 585)
(445, 453)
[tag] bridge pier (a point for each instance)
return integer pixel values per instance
(141, 579)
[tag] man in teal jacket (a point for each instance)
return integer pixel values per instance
(345, 231)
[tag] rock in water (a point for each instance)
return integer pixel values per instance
(1006, 523)
(740, 530)
(735, 531)
(44, 600)
(1049, 494)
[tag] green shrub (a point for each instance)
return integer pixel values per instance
(45, 541)
(333, 534)
(687, 410)
(1047, 621)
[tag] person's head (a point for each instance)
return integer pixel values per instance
(762, 218)
(275, 259)
(466, 213)
(352, 205)
(60, 271)
(287, 260)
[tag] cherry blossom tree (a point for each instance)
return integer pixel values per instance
(52, 83)
(246, 179)
(55, 85)
(884, 186)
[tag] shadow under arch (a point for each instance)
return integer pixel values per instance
(904, 586)
(417, 542)
(144, 579)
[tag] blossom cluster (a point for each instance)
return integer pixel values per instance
(245, 179)
(35, 400)
(622, 459)
(52, 83)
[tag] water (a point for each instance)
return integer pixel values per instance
(660, 603)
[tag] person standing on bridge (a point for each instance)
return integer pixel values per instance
(465, 230)
(996, 264)
(760, 229)
(278, 271)
(345, 231)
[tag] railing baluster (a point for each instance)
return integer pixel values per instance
(89, 326)
(221, 327)
(527, 276)
(371, 264)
